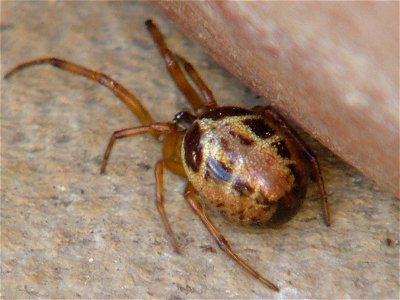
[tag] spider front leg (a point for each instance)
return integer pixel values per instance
(155, 128)
(209, 100)
(173, 67)
(190, 196)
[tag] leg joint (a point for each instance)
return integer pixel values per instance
(56, 62)
(106, 80)
(222, 243)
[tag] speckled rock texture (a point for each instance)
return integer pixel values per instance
(69, 232)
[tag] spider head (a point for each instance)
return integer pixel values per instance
(184, 119)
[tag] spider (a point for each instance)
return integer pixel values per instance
(246, 163)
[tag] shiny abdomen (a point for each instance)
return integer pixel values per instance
(244, 167)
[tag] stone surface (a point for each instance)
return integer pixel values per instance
(68, 232)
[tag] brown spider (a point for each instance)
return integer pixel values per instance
(248, 164)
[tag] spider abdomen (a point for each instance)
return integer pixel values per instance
(242, 165)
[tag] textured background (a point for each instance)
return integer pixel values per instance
(69, 232)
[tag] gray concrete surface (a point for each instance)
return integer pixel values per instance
(68, 232)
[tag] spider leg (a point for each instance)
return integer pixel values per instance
(159, 174)
(155, 128)
(219, 238)
(173, 67)
(310, 156)
(120, 91)
(171, 162)
(209, 100)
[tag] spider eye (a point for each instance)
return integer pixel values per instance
(184, 119)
